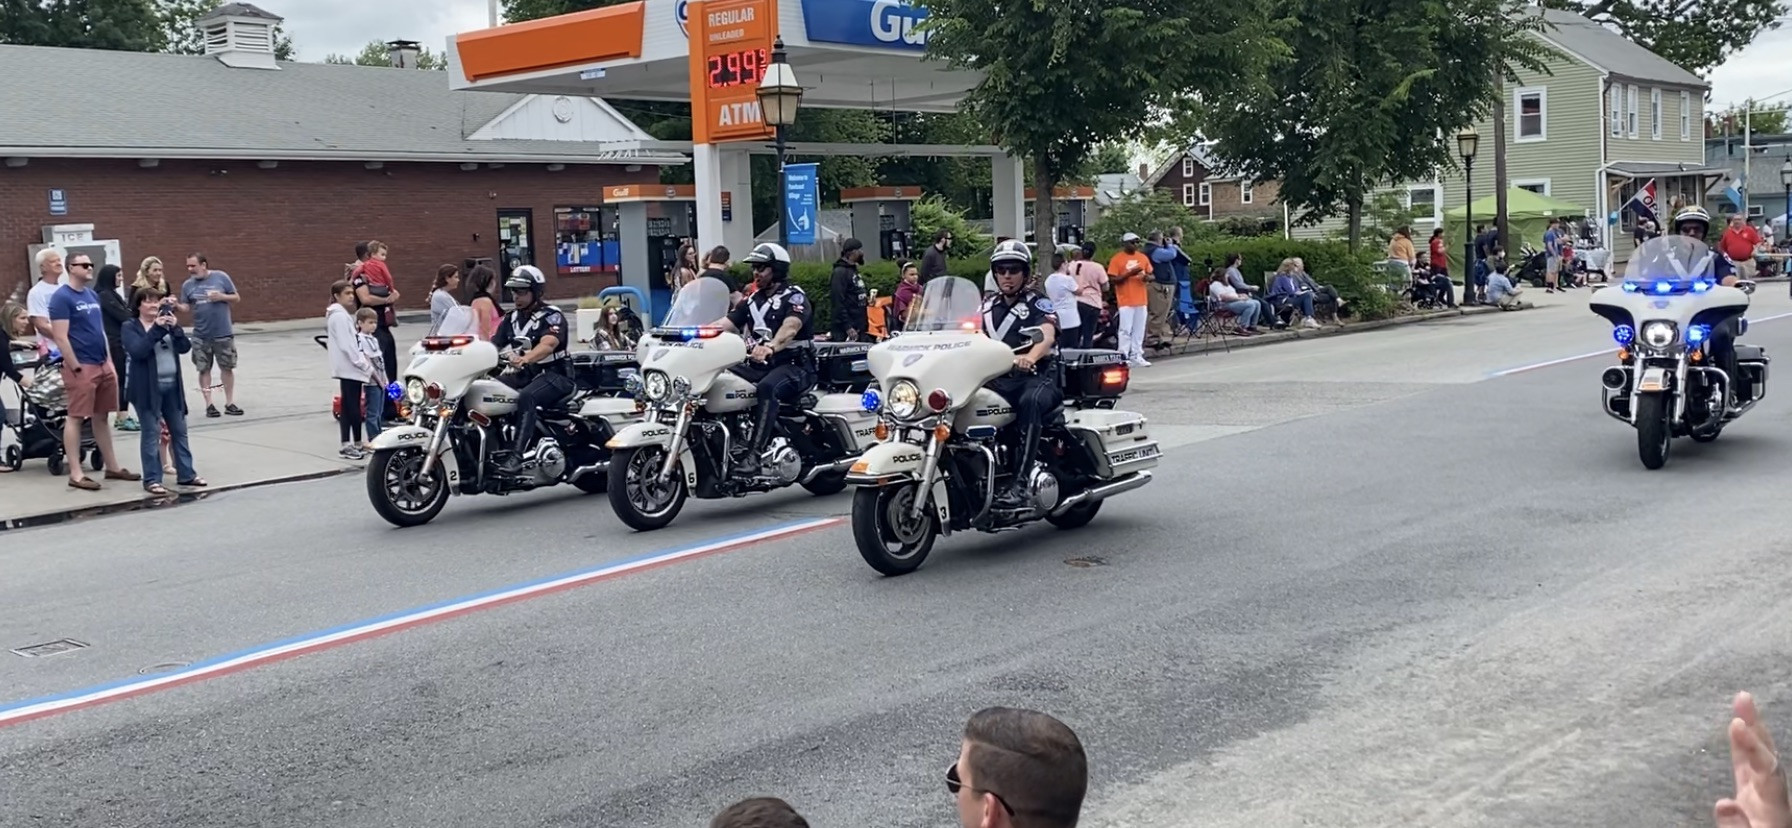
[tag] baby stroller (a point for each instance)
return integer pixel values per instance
(36, 425)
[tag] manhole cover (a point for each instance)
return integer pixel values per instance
(65, 645)
(1088, 560)
(161, 668)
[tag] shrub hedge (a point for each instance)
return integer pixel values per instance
(1331, 263)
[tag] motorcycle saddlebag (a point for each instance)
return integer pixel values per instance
(841, 367)
(601, 371)
(1094, 376)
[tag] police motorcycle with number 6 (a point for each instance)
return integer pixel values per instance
(477, 428)
(981, 432)
(1675, 317)
(724, 418)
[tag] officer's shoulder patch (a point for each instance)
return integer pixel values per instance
(1044, 305)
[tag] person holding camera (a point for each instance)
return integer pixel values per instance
(154, 342)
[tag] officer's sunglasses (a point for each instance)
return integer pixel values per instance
(1009, 270)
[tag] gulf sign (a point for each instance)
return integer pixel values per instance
(889, 24)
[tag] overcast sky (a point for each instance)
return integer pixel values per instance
(343, 26)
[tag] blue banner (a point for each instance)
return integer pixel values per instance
(888, 24)
(802, 204)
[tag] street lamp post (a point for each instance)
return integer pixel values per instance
(779, 97)
(1467, 142)
(1785, 181)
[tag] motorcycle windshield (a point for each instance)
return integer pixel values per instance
(1670, 264)
(701, 302)
(947, 303)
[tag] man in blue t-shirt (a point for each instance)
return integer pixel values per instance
(78, 328)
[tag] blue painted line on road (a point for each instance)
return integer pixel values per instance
(14, 712)
(1565, 360)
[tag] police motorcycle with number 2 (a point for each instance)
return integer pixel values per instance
(702, 419)
(947, 439)
(1670, 317)
(463, 415)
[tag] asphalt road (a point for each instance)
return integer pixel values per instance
(1375, 583)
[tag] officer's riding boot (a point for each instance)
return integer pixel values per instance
(525, 431)
(1019, 490)
(765, 418)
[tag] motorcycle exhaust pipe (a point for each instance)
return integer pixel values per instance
(831, 468)
(1615, 379)
(594, 468)
(1103, 492)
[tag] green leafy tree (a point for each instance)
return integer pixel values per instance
(375, 53)
(1385, 213)
(1144, 211)
(520, 10)
(1367, 98)
(932, 214)
(1046, 100)
(122, 25)
(1769, 119)
(1697, 36)
(181, 34)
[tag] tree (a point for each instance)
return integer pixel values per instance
(1146, 211)
(122, 25)
(1045, 100)
(516, 11)
(1769, 119)
(181, 34)
(1366, 100)
(1696, 36)
(375, 53)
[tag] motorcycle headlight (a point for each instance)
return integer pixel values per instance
(1659, 334)
(905, 399)
(413, 392)
(658, 385)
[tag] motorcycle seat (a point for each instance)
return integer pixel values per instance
(1750, 353)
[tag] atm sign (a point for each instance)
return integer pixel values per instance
(719, 29)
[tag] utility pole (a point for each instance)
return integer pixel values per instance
(1748, 153)
(494, 13)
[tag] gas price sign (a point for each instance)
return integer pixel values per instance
(731, 46)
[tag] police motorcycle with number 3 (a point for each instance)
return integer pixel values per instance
(944, 440)
(1666, 314)
(699, 422)
(462, 415)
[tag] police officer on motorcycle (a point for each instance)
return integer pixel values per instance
(543, 374)
(1692, 221)
(777, 323)
(1033, 392)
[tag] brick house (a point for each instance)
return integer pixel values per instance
(1203, 184)
(276, 169)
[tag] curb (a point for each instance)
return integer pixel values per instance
(1208, 345)
(68, 515)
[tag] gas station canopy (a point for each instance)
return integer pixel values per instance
(861, 54)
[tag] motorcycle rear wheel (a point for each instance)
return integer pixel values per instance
(401, 471)
(887, 538)
(1076, 518)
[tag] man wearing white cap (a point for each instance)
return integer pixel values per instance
(1128, 271)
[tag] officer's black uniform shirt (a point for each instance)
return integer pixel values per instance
(1004, 322)
(769, 308)
(542, 320)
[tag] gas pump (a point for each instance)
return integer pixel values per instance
(652, 222)
(888, 210)
(1072, 207)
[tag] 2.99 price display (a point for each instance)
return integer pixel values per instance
(731, 69)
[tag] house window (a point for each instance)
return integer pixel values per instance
(1188, 167)
(1540, 186)
(1686, 116)
(1530, 109)
(1188, 195)
(1206, 194)
(1616, 97)
(1423, 201)
(1245, 195)
(1630, 119)
(1655, 114)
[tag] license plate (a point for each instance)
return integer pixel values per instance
(1654, 379)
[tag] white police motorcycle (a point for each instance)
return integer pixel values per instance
(1666, 384)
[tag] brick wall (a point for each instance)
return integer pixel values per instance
(1228, 199)
(283, 234)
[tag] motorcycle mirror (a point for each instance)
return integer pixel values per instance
(1746, 286)
(762, 331)
(1034, 334)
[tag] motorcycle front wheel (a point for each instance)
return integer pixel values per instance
(891, 541)
(638, 499)
(1653, 436)
(405, 488)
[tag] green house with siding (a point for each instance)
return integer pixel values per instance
(1605, 118)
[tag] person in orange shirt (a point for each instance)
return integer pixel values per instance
(1128, 271)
